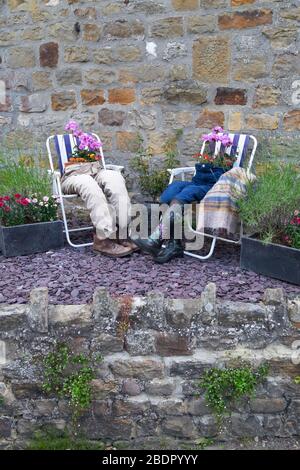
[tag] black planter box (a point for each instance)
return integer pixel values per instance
(32, 238)
(277, 261)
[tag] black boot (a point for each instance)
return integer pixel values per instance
(148, 245)
(173, 249)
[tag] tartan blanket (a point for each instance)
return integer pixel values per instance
(218, 210)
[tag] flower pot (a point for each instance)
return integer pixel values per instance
(277, 261)
(32, 238)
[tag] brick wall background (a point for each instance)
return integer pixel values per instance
(149, 67)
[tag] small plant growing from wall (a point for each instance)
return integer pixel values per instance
(152, 173)
(69, 376)
(224, 387)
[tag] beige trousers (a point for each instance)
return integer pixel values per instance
(105, 196)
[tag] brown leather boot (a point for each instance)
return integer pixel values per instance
(110, 248)
(129, 244)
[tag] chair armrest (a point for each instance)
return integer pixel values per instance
(110, 166)
(179, 171)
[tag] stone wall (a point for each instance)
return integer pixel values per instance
(148, 67)
(155, 350)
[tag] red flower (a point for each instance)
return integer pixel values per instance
(6, 208)
(1, 203)
(6, 198)
(17, 196)
(24, 201)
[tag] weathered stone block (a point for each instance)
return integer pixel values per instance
(143, 369)
(142, 119)
(49, 54)
(103, 55)
(21, 57)
(245, 19)
(70, 314)
(211, 59)
(268, 405)
(91, 32)
(237, 3)
(99, 76)
(250, 69)
(235, 313)
(92, 97)
(127, 141)
(170, 344)
(140, 343)
(286, 65)
(159, 387)
(189, 369)
(104, 388)
(122, 96)
(131, 387)
(262, 121)
(167, 28)
(36, 103)
(130, 407)
(41, 81)
(266, 95)
(37, 313)
(69, 76)
(105, 309)
(110, 117)
(235, 121)
(180, 427)
(281, 37)
(5, 427)
(201, 24)
(76, 54)
(89, 13)
(291, 14)
(107, 343)
(197, 407)
(128, 54)
(123, 28)
(291, 120)
(185, 4)
(12, 316)
(150, 312)
(63, 100)
(231, 96)
(188, 91)
(209, 119)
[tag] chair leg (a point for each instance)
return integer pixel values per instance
(73, 245)
(210, 253)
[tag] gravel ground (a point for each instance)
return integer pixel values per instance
(72, 274)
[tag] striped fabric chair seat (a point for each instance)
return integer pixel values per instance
(64, 145)
(239, 147)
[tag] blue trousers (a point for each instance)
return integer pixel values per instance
(184, 192)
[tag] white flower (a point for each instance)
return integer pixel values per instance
(34, 200)
(45, 199)
(46, 205)
(41, 203)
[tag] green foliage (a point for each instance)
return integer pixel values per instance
(69, 376)
(23, 176)
(271, 201)
(203, 442)
(1, 401)
(52, 439)
(297, 380)
(152, 173)
(223, 387)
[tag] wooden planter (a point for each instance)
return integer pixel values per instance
(277, 261)
(32, 238)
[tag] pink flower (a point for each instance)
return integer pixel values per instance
(218, 129)
(72, 126)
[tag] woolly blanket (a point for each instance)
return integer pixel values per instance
(218, 210)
